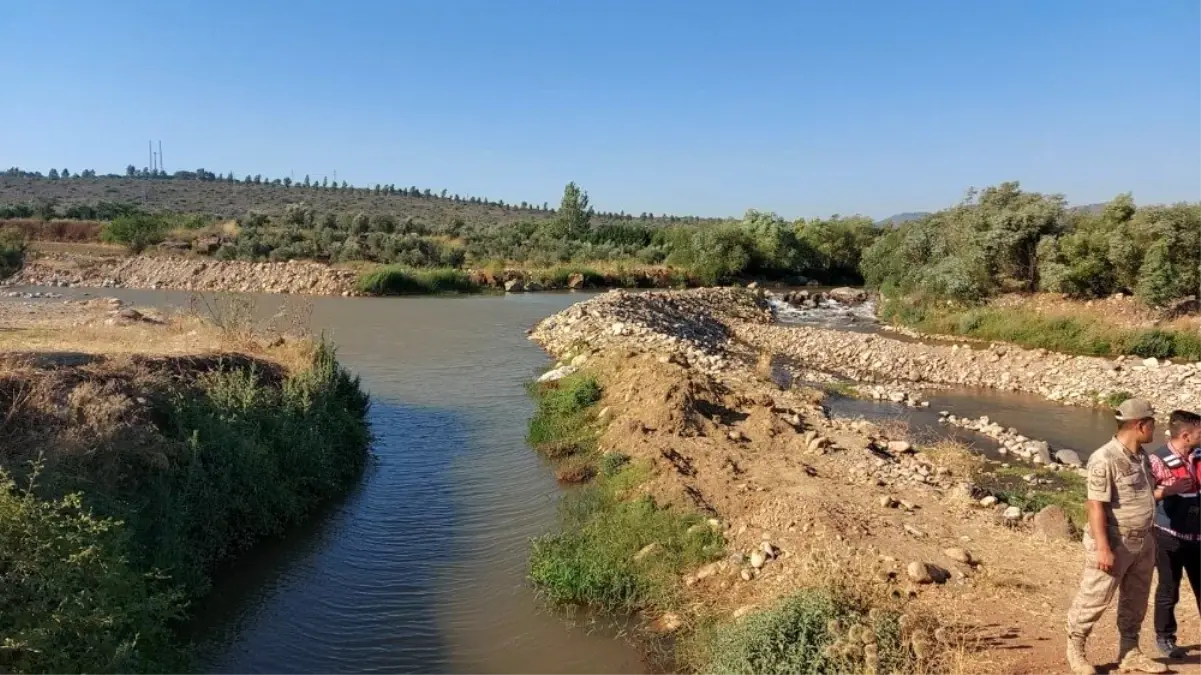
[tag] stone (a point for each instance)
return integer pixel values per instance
(988, 501)
(914, 531)
(958, 555)
(557, 373)
(818, 443)
(579, 360)
(575, 280)
(896, 397)
(926, 573)
(899, 447)
(887, 501)
(1151, 362)
(736, 436)
(1053, 523)
(1012, 514)
(746, 574)
(1068, 457)
(514, 286)
(758, 559)
(647, 551)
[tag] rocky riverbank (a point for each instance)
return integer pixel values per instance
(982, 552)
(185, 273)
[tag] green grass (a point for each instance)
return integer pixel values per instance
(1117, 398)
(813, 631)
(591, 560)
(1070, 335)
(1066, 489)
(393, 280)
(562, 421)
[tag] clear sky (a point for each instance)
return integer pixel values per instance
(690, 107)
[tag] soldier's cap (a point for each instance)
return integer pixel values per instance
(1135, 409)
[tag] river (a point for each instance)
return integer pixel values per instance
(422, 567)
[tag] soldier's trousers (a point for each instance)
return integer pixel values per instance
(1130, 578)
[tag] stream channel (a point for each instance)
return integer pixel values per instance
(422, 566)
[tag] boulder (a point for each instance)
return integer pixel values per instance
(1068, 457)
(514, 286)
(575, 280)
(899, 447)
(1053, 523)
(758, 559)
(1012, 514)
(926, 573)
(848, 296)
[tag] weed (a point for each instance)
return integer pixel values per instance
(613, 462)
(1117, 398)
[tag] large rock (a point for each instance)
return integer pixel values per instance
(514, 286)
(557, 373)
(1053, 523)
(575, 280)
(848, 296)
(926, 573)
(1069, 457)
(1040, 452)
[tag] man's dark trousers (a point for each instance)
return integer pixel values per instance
(1174, 557)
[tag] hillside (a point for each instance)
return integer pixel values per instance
(234, 199)
(902, 218)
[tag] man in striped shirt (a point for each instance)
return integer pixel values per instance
(1176, 467)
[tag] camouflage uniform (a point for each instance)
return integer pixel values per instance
(1122, 480)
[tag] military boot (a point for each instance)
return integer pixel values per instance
(1134, 660)
(1077, 661)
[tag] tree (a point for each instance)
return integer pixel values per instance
(66, 174)
(53, 175)
(258, 179)
(344, 185)
(287, 181)
(306, 180)
(324, 181)
(131, 171)
(575, 214)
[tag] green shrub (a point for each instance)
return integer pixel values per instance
(12, 252)
(1117, 398)
(406, 281)
(810, 632)
(71, 599)
(261, 458)
(591, 560)
(137, 231)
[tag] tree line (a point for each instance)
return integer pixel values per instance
(1005, 239)
(324, 183)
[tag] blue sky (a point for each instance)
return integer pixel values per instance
(698, 107)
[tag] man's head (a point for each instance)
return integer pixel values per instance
(1136, 420)
(1184, 428)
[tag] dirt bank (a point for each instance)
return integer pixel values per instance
(804, 500)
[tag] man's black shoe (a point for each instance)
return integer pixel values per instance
(1168, 649)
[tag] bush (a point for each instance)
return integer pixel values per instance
(136, 231)
(12, 252)
(405, 281)
(613, 462)
(811, 632)
(72, 601)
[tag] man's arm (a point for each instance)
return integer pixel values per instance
(1166, 484)
(1096, 526)
(1100, 492)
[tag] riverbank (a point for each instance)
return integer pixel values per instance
(888, 556)
(160, 270)
(144, 451)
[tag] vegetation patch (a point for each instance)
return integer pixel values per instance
(393, 280)
(12, 252)
(164, 470)
(1068, 334)
(619, 554)
(562, 421)
(818, 631)
(1065, 489)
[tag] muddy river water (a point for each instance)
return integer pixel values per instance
(422, 567)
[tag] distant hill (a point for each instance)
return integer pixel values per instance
(899, 218)
(235, 199)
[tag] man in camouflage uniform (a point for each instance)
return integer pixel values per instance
(1118, 545)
